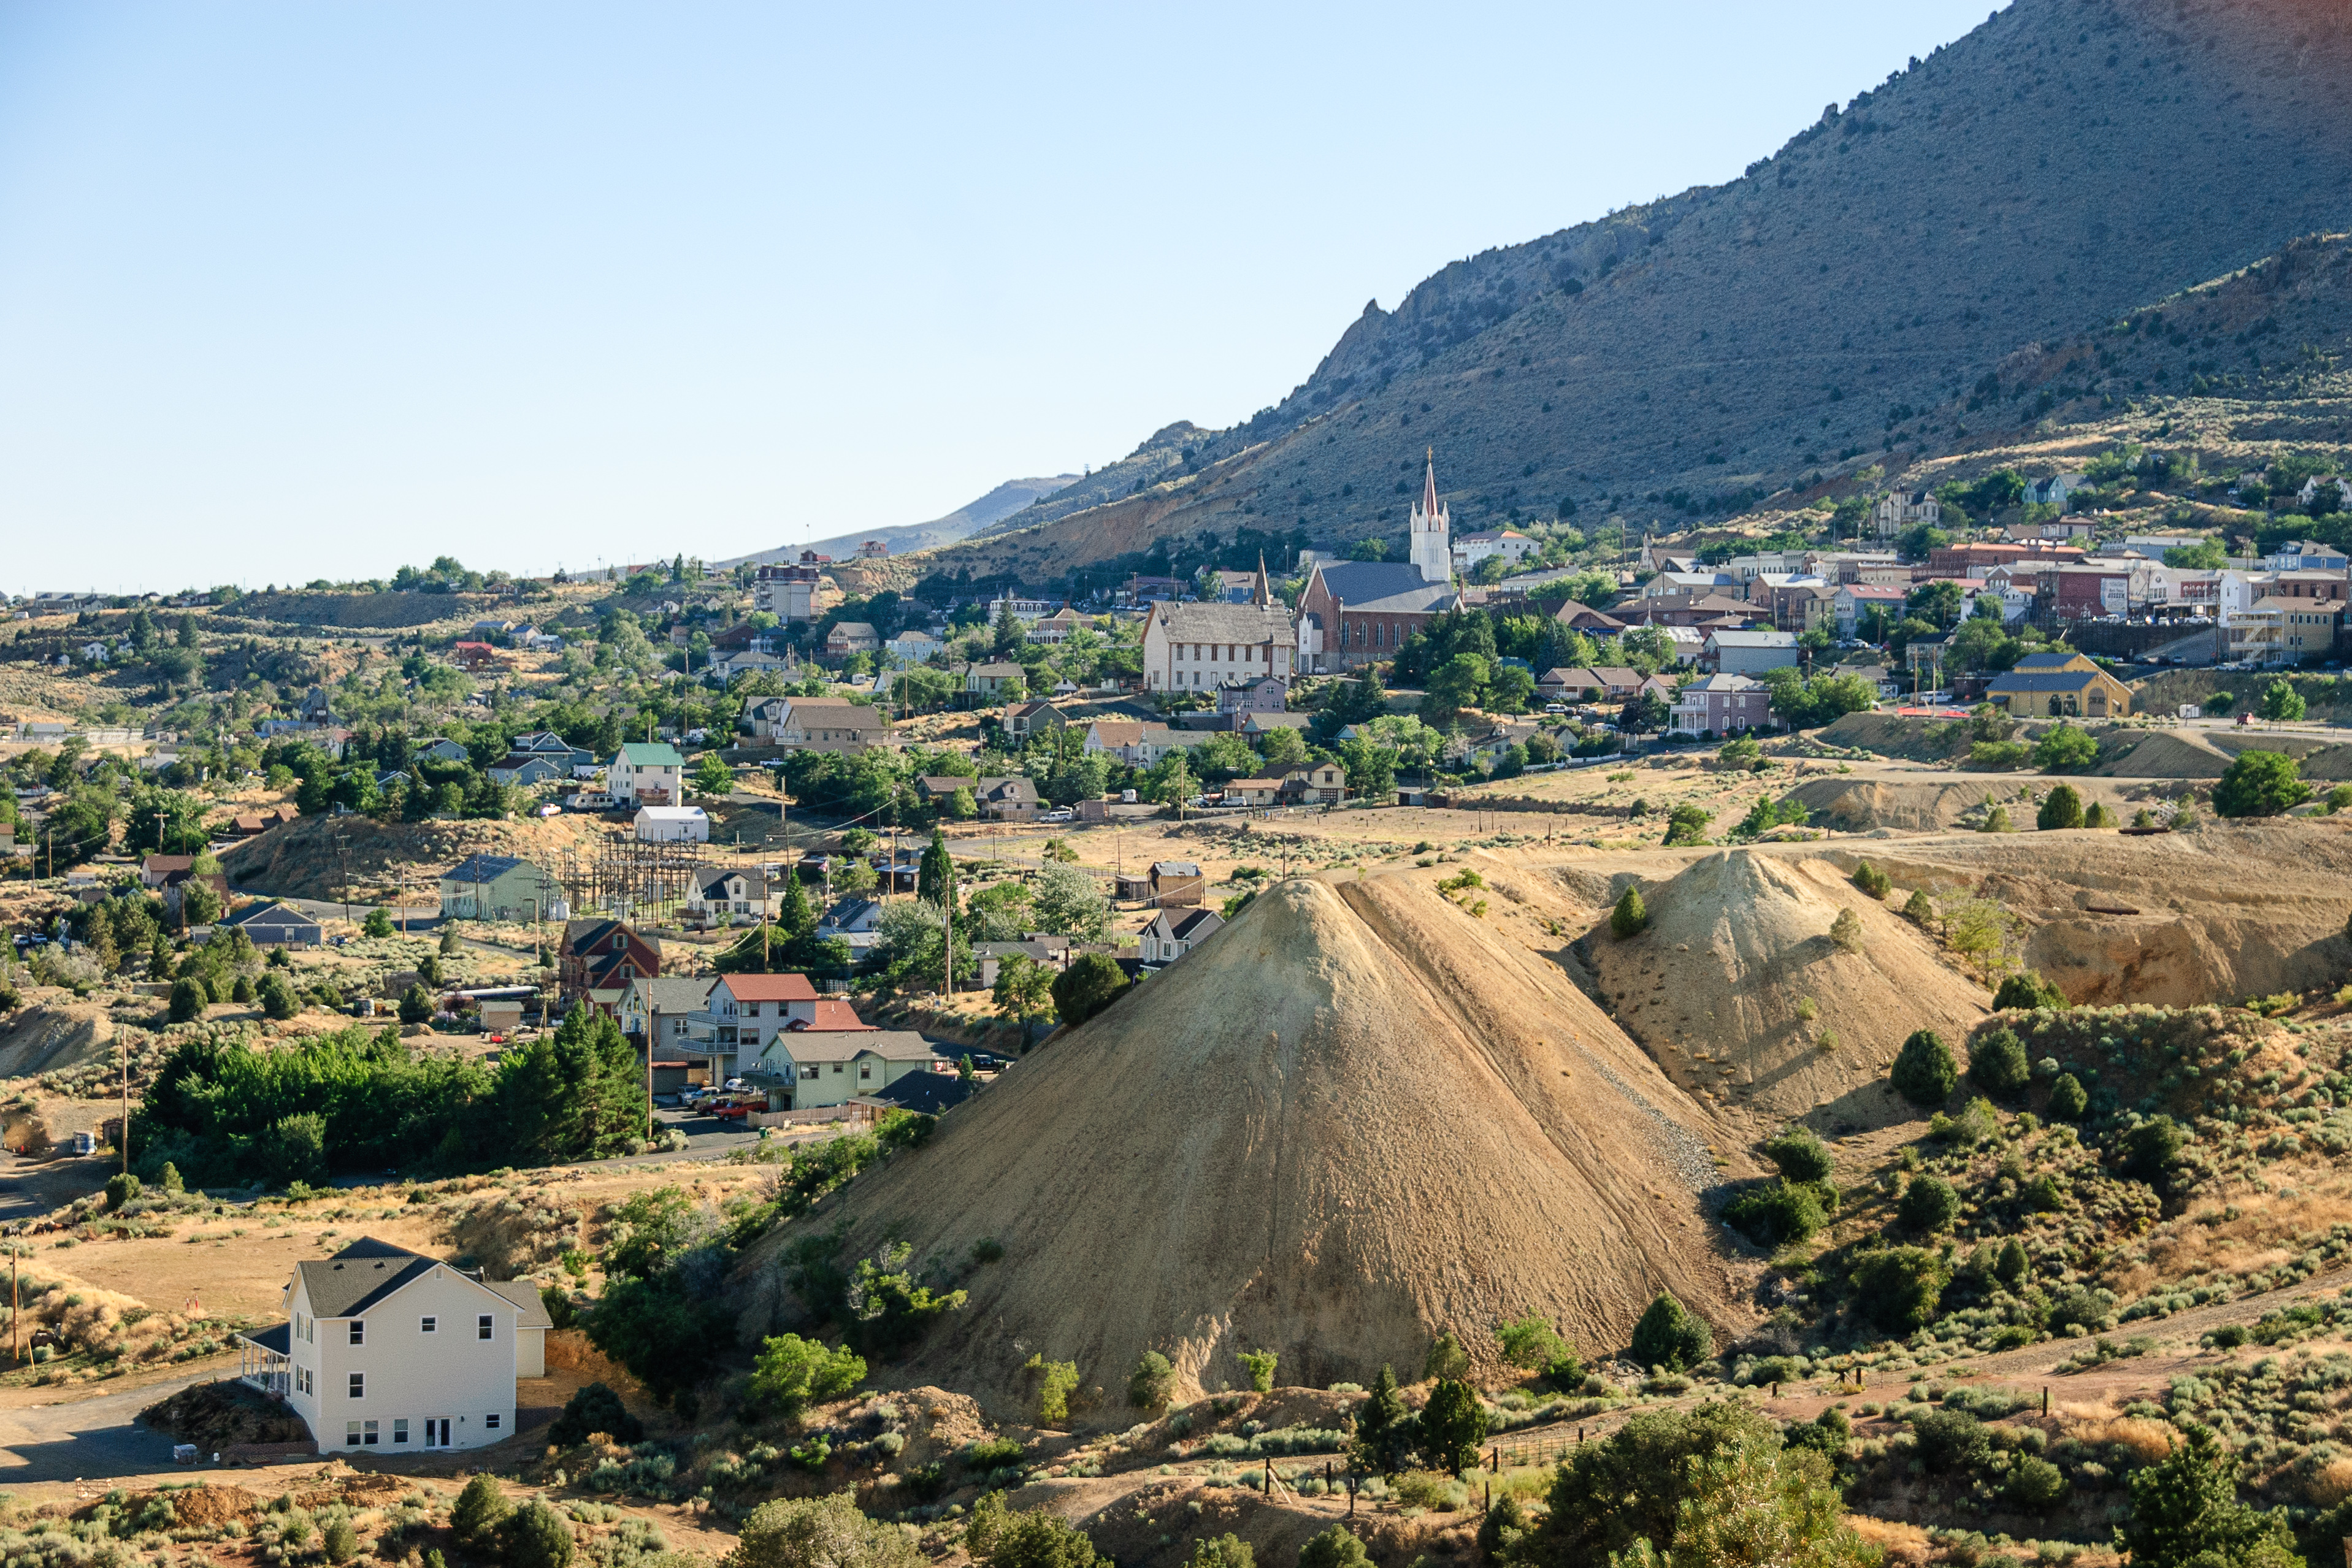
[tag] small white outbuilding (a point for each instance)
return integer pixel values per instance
(673, 825)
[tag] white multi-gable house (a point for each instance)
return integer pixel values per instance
(388, 1349)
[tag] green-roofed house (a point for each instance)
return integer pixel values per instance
(644, 773)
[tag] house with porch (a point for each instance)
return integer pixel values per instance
(644, 773)
(746, 1013)
(1325, 784)
(1720, 705)
(654, 1012)
(391, 1350)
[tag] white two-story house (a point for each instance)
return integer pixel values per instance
(388, 1349)
(646, 774)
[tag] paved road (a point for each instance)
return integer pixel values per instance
(87, 1439)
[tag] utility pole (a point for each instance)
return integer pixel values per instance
(123, 1056)
(344, 863)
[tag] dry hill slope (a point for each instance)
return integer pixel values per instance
(1354, 1118)
(1738, 943)
(1717, 344)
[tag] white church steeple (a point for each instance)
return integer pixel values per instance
(1432, 532)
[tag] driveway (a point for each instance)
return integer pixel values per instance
(87, 1439)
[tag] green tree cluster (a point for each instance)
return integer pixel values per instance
(2260, 784)
(225, 1113)
(1694, 1488)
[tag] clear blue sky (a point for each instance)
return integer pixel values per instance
(290, 290)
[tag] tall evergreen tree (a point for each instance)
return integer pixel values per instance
(1386, 1436)
(935, 877)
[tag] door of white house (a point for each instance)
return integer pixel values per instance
(436, 1431)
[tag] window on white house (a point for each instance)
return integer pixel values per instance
(359, 1384)
(400, 1429)
(428, 1325)
(350, 1434)
(367, 1433)
(359, 1331)
(482, 1326)
(491, 1420)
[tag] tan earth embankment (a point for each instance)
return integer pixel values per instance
(1357, 1116)
(301, 859)
(2228, 911)
(52, 1036)
(1936, 802)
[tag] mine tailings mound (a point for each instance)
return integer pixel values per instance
(2226, 912)
(1737, 944)
(1355, 1117)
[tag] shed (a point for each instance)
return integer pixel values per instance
(673, 825)
(1177, 882)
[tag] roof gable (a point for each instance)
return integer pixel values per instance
(368, 1272)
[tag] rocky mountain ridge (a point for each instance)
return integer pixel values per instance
(2066, 163)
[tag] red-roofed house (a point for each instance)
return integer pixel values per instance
(744, 1013)
(475, 656)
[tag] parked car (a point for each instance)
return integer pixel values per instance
(1058, 814)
